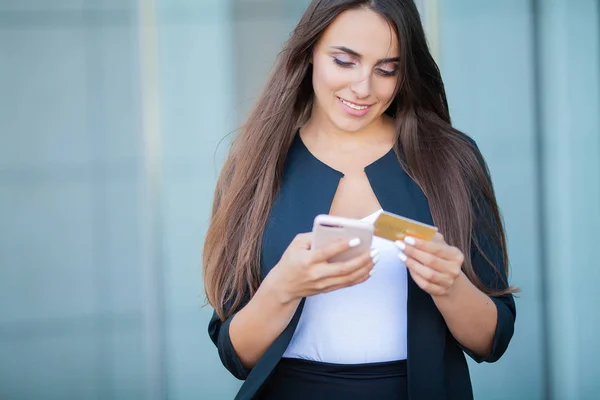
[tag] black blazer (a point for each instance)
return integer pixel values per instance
(437, 368)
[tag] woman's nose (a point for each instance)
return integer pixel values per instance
(362, 88)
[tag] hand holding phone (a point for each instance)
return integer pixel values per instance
(328, 229)
(336, 254)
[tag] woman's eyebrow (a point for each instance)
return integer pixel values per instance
(356, 54)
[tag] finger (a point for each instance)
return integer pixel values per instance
(360, 278)
(345, 268)
(429, 274)
(303, 240)
(430, 246)
(438, 238)
(440, 249)
(427, 286)
(355, 277)
(432, 261)
(332, 250)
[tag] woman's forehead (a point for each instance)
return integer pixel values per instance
(365, 32)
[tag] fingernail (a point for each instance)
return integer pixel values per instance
(375, 256)
(371, 272)
(410, 240)
(354, 242)
(402, 256)
(400, 244)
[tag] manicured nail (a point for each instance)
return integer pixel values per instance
(402, 256)
(375, 255)
(400, 244)
(410, 240)
(371, 272)
(354, 242)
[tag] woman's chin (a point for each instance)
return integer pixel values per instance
(352, 125)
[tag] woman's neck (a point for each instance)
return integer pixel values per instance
(322, 131)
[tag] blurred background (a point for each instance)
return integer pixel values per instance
(112, 114)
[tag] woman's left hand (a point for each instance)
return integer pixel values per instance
(434, 265)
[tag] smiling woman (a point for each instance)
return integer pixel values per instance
(354, 120)
(355, 71)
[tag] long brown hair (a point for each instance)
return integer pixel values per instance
(442, 161)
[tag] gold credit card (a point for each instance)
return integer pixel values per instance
(394, 227)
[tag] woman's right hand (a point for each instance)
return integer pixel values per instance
(303, 272)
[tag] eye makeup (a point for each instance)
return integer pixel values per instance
(385, 67)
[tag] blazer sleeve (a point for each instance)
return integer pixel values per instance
(219, 333)
(484, 229)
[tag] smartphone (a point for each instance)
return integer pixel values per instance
(328, 229)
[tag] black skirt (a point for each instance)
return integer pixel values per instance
(295, 379)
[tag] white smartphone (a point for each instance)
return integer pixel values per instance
(328, 229)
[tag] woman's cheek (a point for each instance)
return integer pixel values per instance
(385, 91)
(329, 77)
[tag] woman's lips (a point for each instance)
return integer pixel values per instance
(356, 110)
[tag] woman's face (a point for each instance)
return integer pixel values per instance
(355, 70)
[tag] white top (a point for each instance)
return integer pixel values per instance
(365, 323)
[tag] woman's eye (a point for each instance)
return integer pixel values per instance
(388, 69)
(342, 63)
(386, 72)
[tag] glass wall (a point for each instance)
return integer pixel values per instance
(114, 122)
(488, 64)
(71, 262)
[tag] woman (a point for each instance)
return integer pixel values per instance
(353, 120)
